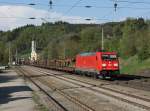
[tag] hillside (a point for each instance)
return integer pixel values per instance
(60, 39)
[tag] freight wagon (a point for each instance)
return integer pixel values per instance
(97, 64)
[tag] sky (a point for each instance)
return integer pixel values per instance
(16, 13)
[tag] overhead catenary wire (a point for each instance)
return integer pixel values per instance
(69, 10)
(44, 19)
(115, 6)
(131, 2)
(18, 3)
(73, 6)
(50, 4)
(78, 6)
(32, 18)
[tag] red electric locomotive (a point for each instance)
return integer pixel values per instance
(98, 64)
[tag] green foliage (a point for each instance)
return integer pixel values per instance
(90, 39)
(134, 31)
(3, 53)
(63, 40)
(132, 65)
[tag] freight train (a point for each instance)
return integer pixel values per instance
(96, 64)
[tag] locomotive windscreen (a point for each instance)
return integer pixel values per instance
(109, 57)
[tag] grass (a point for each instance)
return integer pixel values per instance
(132, 65)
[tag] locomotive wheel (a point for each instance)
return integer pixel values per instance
(95, 76)
(104, 73)
(103, 76)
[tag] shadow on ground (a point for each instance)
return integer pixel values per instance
(5, 78)
(126, 77)
(5, 93)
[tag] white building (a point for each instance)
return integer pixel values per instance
(33, 52)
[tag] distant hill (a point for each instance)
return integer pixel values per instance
(61, 39)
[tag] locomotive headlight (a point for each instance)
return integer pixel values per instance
(116, 64)
(104, 65)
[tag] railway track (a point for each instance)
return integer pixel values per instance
(132, 81)
(78, 103)
(55, 102)
(129, 98)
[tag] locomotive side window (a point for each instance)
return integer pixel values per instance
(109, 57)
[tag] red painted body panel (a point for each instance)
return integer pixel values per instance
(94, 62)
(86, 62)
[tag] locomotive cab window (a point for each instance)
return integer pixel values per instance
(109, 57)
